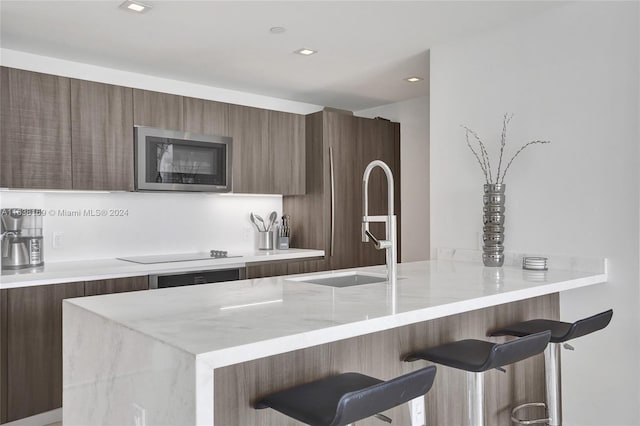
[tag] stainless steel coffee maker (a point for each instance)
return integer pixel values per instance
(21, 238)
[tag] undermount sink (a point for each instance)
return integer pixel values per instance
(346, 279)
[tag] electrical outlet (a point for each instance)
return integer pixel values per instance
(139, 415)
(417, 411)
(57, 240)
(246, 234)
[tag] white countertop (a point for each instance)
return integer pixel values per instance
(102, 269)
(228, 323)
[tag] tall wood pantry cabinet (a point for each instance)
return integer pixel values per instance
(329, 215)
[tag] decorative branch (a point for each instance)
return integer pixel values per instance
(516, 154)
(485, 154)
(482, 155)
(503, 140)
(484, 170)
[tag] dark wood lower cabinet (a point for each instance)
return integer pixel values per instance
(34, 347)
(31, 342)
(118, 285)
(3, 356)
(285, 267)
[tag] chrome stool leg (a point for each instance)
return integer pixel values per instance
(552, 379)
(475, 398)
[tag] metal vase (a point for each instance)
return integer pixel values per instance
(493, 220)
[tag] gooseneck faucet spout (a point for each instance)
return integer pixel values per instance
(390, 242)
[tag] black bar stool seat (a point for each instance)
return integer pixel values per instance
(477, 356)
(560, 331)
(347, 397)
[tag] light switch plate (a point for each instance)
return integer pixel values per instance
(57, 240)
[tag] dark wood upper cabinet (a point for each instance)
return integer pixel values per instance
(287, 152)
(102, 136)
(249, 128)
(61, 133)
(156, 109)
(34, 347)
(268, 151)
(206, 117)
(35, 135)
(118, 285)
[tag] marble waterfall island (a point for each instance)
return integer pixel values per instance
(201, 355)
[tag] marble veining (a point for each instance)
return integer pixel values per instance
(113, 375)
(216, 321)
(102, 269)
(152, 354)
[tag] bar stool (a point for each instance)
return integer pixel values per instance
(478, 356)
(561, 332)
(348, 397)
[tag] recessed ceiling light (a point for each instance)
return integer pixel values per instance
(277, 30)
(413, 79)
(305, 51)
(135, 6)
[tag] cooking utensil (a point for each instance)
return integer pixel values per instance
(255, 222)
(264, 226)
(272, 219)
(286, 230)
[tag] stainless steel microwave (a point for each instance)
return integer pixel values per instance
(168, 160)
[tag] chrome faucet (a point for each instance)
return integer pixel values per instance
(390, 243)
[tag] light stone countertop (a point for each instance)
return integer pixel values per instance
(102, 269)
(227, 323)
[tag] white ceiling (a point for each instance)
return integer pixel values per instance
(365, 48)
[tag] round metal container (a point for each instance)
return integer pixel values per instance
(493, 219)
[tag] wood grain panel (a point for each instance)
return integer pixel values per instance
(371, 146)
(102, 136)
(379, 354)
(206, 117)
(118, 285)
(35, 130)
(305, 266)
(249, 128)
(3, 356)
(34, 347)
(266, 269)
(156, 109)
(287, 152)
(341, 132)
(310, 213)
(354, 142)
(283, 267)
(394, 136)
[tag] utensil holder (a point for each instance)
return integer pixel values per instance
(283, 243)
(265, 240)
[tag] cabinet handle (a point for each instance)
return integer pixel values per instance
(333, 199)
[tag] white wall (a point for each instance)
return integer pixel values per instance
(156, 223)
(570, 75)
(413, 116)
(153, 223)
